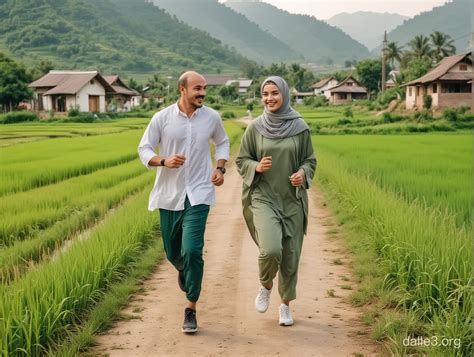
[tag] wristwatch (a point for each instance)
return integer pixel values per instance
(162, 162)
(221, 169)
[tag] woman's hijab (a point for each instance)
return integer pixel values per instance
(285, 122)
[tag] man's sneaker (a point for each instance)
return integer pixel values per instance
(190, 322)
(285, 315)
(263, 299)
(181, 281)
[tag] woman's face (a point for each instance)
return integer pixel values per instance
(271, 97)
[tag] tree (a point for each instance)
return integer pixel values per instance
(14, 81)
(416, 68)
(42, 68)
(393, 53)
(369, 72)
(420, 47)
(442, 45)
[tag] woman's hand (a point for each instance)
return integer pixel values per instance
(264, 165)
(297, 178)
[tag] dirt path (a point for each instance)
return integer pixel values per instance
(228, 323)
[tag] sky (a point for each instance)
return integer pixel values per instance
(324, 9)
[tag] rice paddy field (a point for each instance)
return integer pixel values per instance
(408, 198)
(73, 202)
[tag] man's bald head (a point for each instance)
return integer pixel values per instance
(189, 76)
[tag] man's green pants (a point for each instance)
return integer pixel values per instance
(183, 240)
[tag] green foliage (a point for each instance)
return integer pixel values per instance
(228, 115)
(18, 117)
(126, 35)
(427, 101)
(14, 81)
(348, 112)
(423, 115)
(369, 72)
(416, 68)
(320, 101)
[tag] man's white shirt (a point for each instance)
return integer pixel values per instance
(172, 132)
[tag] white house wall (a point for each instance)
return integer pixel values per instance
(82, 97)
(410, 100)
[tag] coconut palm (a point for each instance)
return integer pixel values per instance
(393, 53)
(420, 47)
(442, 45)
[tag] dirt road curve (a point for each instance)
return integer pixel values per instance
(228, 323)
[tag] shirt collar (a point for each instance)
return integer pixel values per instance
(179, 112)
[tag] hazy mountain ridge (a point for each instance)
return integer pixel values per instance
(315, 39)
(232, 28)
(453, 18)
(356, 25)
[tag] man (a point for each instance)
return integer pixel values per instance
(183, 190)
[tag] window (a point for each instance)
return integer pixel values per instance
(455, 88)
(435, 88)
(410, 92)
(463, 67)
(343, 96)
(92, 82)
(349, 84)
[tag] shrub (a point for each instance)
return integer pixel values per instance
(250, 107)
(228, 115)
(308, 101)
(18, 117)
(216, 106)
(73, 111)
(391, 118)
(348, 112)
(423, 115)
(427, 101)
(344, 121)
(450, 114)
(320, 101)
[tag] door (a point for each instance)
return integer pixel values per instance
(94, 104)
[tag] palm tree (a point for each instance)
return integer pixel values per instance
(442, 45)
(393, 53)
(420, 47)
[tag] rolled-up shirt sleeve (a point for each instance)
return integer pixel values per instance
(221, 140)
(150, 140)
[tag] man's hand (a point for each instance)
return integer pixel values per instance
(297, 178)
(264, 165)
(175, 161)
(217, 178)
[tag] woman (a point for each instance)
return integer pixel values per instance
(277, 163)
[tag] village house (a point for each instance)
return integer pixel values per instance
(300, 96)
(123, 99)
(347, 91)
(60, 91)
(392, 78)
(322, 87)
(449, 84)
(243, 84)
(216, 80)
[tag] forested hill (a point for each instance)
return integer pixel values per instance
(116, 36)
(315, 39)
(453, 18)
(232, 28)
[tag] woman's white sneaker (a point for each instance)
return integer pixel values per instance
(263, 299)
(285, 315)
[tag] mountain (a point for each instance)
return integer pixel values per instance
(232, 28)
(114, 36)
(355, 25)
(453, 18)
(315, 39)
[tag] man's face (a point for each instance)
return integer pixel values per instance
(195, 91)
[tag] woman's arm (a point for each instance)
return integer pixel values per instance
(247, 160)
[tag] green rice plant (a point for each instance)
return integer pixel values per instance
(42, 163)
(25, 213)
(36, 311)
(15, 260)
(428, 255)
(435, 169)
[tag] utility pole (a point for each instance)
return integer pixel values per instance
(384, 56)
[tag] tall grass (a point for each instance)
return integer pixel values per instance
(36, 311)
(427, 254)
(36, 164)
(26, 213)
(436, 169)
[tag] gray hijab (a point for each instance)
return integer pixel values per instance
(285, 121)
